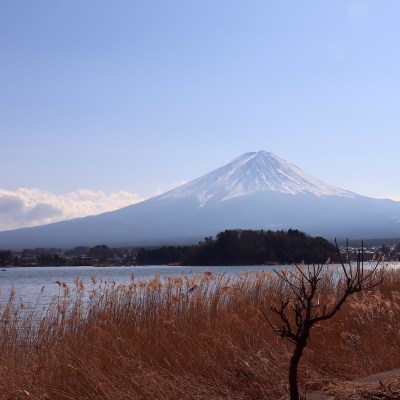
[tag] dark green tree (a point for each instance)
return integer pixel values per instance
(100, 253)
(6, 257)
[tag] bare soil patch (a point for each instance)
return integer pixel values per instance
(384, 385)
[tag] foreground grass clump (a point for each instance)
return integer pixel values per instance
(198, 337)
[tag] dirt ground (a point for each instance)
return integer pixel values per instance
(387, 388)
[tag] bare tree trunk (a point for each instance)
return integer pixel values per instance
(299, 310)
(294, 363)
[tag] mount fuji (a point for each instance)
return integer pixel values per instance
(257, 190)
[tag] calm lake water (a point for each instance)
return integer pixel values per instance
(28, 281)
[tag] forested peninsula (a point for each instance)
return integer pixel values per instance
(244, 247)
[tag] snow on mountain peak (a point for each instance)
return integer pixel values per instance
(254, 172)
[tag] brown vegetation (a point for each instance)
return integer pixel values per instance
(201, 337)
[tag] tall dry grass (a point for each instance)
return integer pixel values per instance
(198, 337)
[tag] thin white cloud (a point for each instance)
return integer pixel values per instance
(30, 206)
(358, 10)
(395, 197)
(170, 186)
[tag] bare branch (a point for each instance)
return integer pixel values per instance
(300, 310)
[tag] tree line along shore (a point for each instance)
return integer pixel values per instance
(230, 247)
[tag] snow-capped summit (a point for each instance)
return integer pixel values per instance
(254, 172)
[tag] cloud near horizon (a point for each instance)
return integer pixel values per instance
(31, 207)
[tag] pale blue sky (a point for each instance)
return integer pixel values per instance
(138, 95)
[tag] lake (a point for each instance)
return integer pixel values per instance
(28, 281)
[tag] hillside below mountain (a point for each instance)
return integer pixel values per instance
(244, 247)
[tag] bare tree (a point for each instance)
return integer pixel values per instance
(300, 309)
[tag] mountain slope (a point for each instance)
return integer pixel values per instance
(254, 191)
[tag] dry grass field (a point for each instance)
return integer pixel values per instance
(198, 337)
